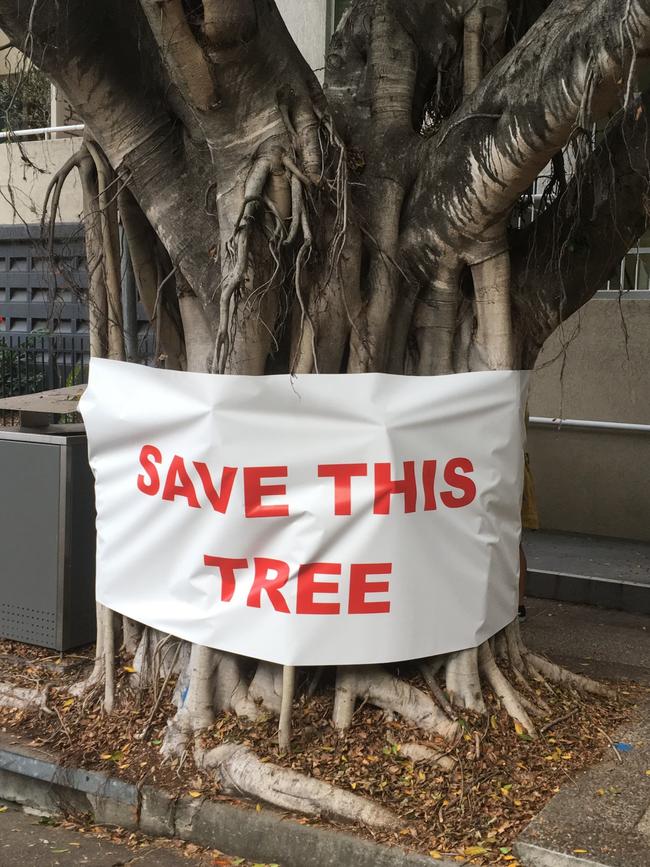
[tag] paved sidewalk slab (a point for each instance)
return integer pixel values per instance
(588, 640)
(25, 842)
(588, 556)
(603, 817)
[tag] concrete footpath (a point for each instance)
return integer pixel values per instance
(602, 817)
(25, 841)
(589, 640)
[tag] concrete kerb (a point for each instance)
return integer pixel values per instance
(33, 779)
(585, 590)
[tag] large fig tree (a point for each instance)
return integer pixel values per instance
(379, 222)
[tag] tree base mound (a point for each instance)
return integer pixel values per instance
(497, 777)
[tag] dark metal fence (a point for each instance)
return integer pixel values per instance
(44, 340)
(37, 362)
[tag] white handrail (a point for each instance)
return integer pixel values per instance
(584, 424)
(43, 130)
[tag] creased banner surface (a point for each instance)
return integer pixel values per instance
(311, 520)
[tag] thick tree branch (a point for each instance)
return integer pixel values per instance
(568, 253)
(181, 51)
(569, 66)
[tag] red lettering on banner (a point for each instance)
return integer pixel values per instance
(429, 485)
(264, 565)
(385, 487)
(342, 475)
(218, 501)
(149, 457)
(453, 476)
(308, 587)
(254, 490)
(226, 566)
(179, 484)
(360, 587)
(258, 485)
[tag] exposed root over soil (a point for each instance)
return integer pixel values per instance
(238, 771)
(478, 791)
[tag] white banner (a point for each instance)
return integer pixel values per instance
(312, 520)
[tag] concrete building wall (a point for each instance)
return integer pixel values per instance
(10, 58)
(25, 172)
(595, 482)
(309, 22)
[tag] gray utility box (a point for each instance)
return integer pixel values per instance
(47, 537)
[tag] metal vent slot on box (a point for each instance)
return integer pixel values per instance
(30, 625)
(47, 537)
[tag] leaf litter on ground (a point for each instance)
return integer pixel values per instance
(500, 780)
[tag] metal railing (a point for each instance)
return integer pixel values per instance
(633, 273)
(9, 134)
(559, 424)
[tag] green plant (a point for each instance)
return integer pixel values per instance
(24, 100)
(21, 371)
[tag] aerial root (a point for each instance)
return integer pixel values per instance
(295, 171)
(288, 690)
(276, 202)
(305, 360)
(503, 690)
(428, 670)
(108, 187)
(103, 671)
(463, 680)
(392, 695)
(278, 183)
(95, 677)
(297, 208)
(559, 675)
(237, 256)
(23, 698)
(107, 626)
(422, 753)
(240, 772)
(131, 635)
(53, 192)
